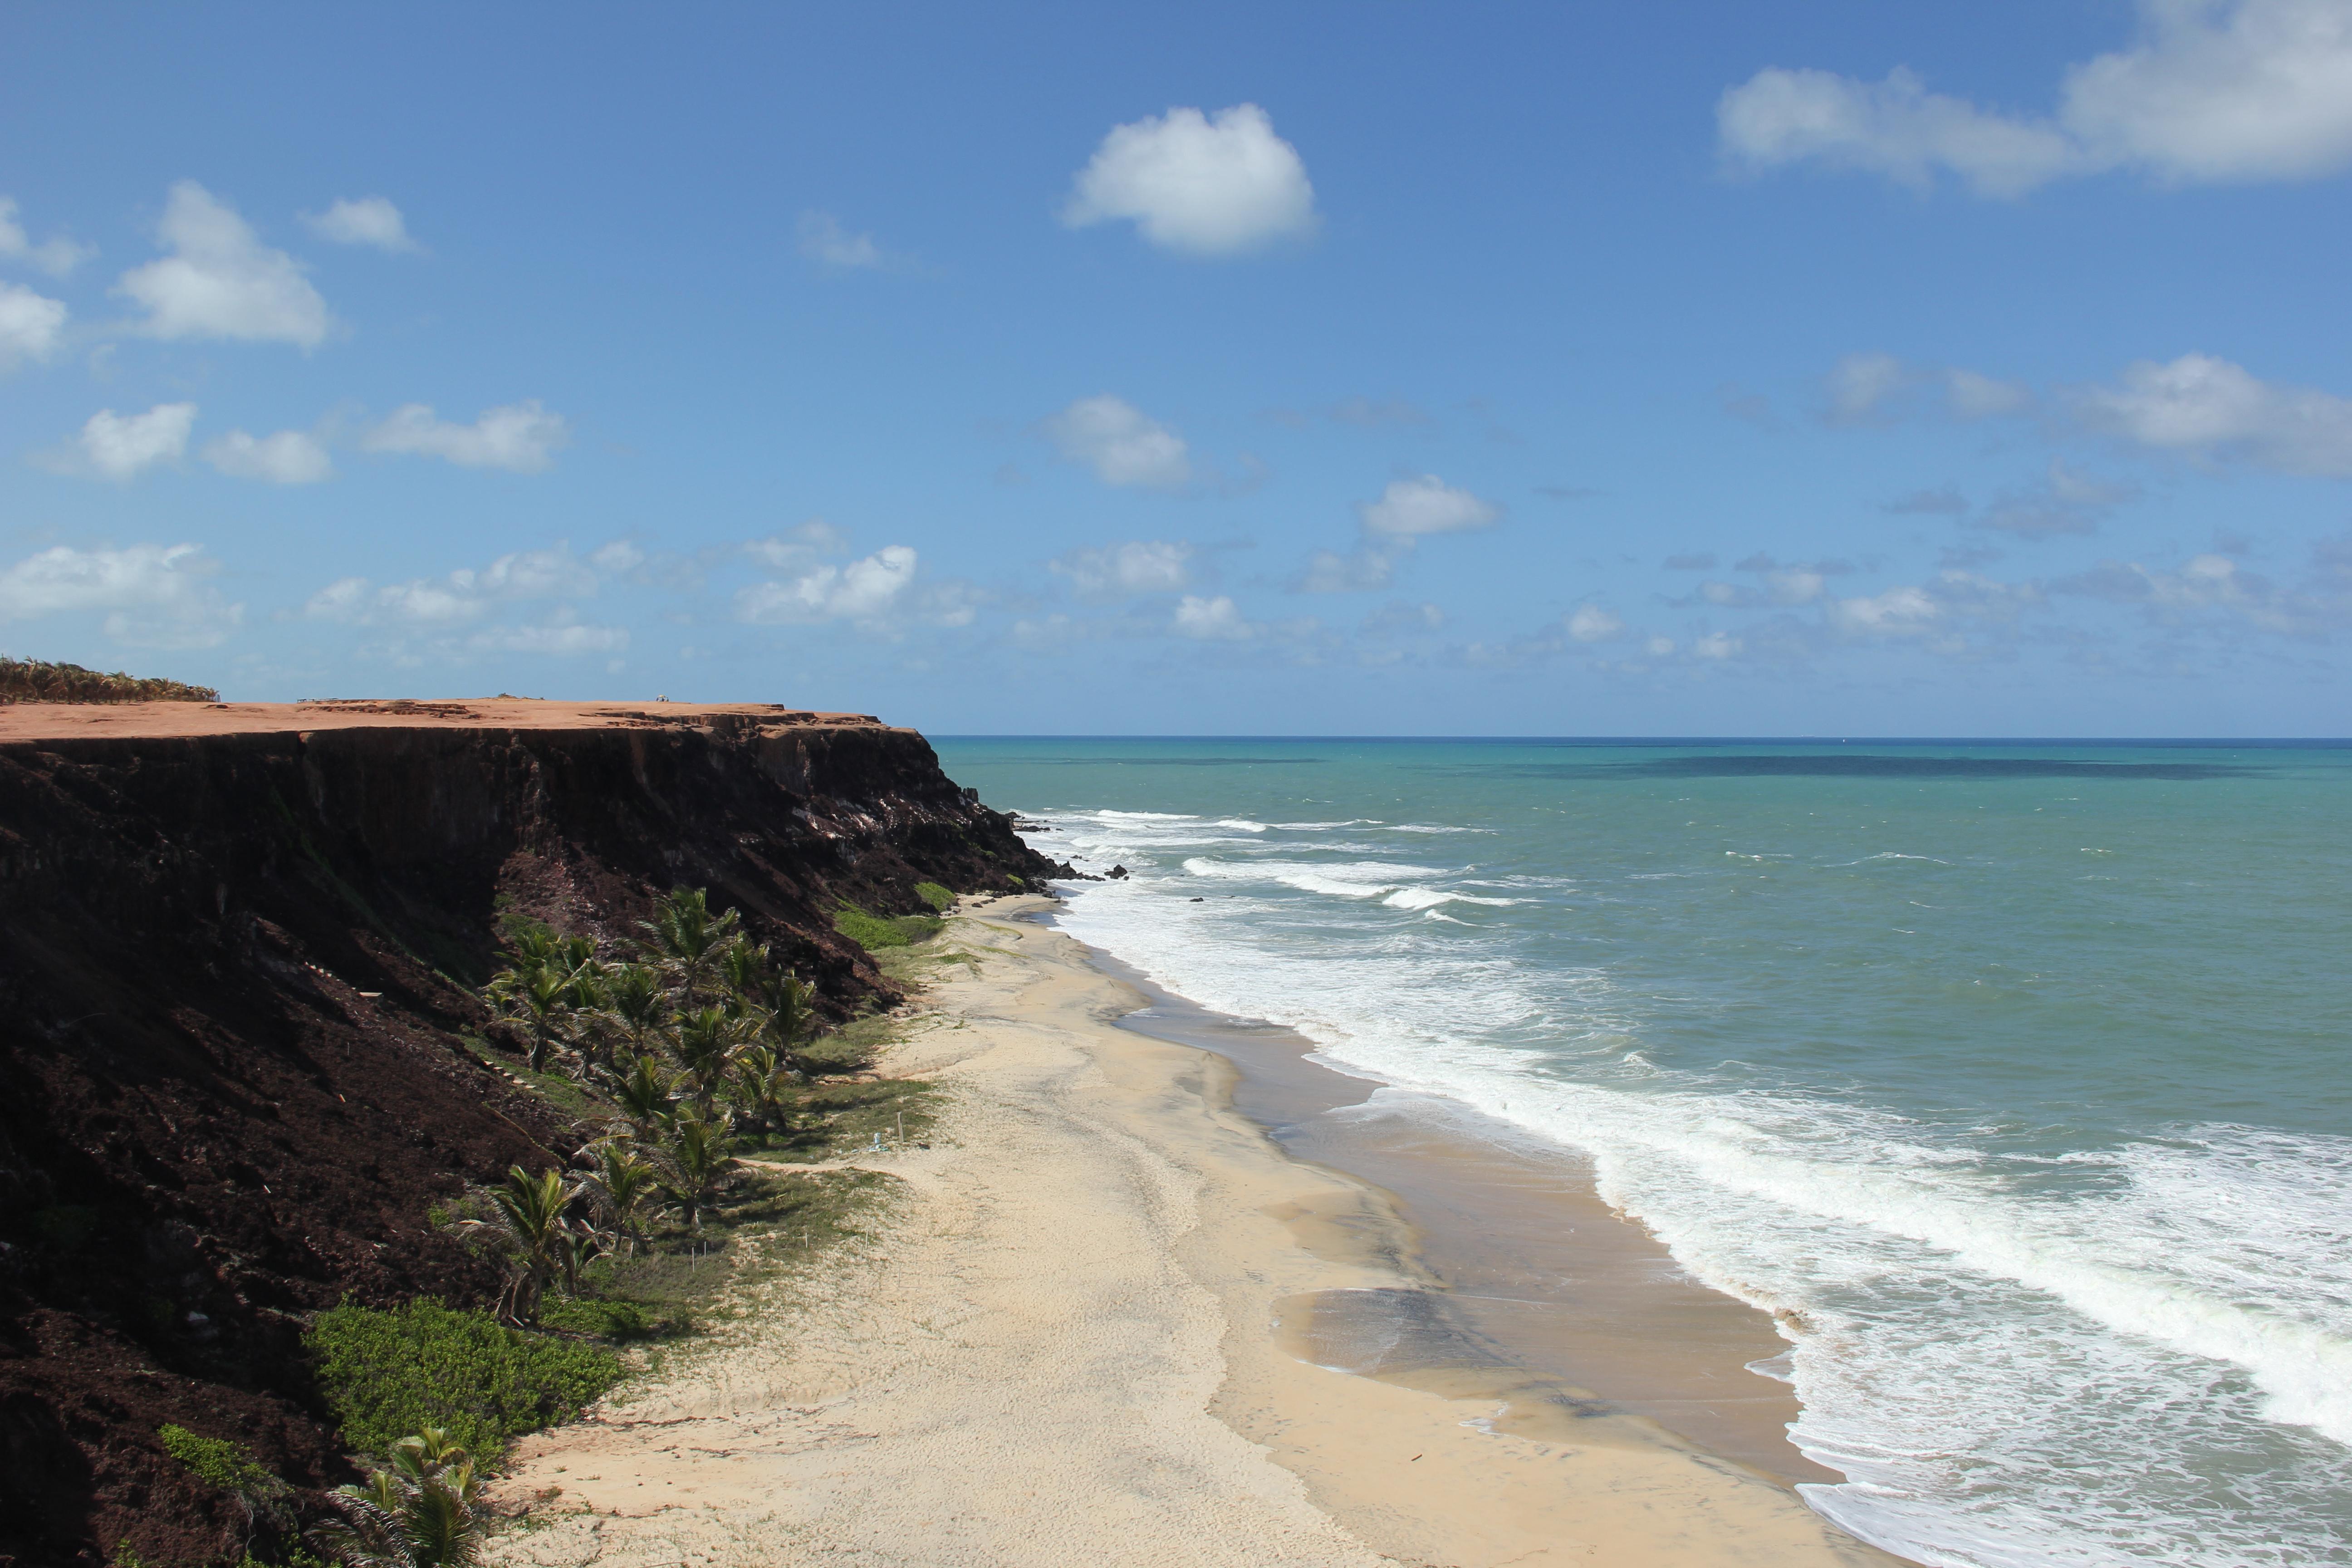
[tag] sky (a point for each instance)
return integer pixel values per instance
(1376, 368)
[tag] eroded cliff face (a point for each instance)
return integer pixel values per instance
(232, 969)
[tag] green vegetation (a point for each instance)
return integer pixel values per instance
(875, 932)
(941, 899)
(38, 680)
(390, 1374)
(422, 1510)
(231, 1467)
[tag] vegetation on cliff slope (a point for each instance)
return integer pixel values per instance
(38, 680)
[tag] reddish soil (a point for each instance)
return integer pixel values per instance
(235, 948)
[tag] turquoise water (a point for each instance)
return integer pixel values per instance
(2013, 1077)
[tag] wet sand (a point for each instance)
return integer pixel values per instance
(1534, 1282)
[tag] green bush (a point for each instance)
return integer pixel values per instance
(389, 1374)
(217, 1462)
(874, 933)
(939, 898)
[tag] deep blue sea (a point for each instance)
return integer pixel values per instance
(2018, 1077)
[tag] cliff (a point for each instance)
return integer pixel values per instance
(236, 947)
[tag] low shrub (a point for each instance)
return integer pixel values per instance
(387, 1375)
(875, 932)
(38, 680)
(939, 897)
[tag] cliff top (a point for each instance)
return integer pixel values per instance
(62, 722)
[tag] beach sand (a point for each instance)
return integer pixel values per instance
(1081, 1335)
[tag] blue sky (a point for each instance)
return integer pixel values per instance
(1841, 369)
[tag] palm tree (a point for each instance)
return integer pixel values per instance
(532, 1224)
(646, 1094)
(538, 1001)
(621, 1183)
(706, 1043)
(422, 1510)
(785, 1001)
(635, 1000)
(763, 1086)
(694, 1166)
(686, 938)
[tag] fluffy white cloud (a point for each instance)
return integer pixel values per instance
(1895, 612)
(1717, 644)
(121, 445)
(463, 595)
(1592, 623)
(220, 282)
(1860, 385)
(371, 220)
(822, 240)
(155, 596)
(1217, 184)
(56, 255)
(1118, 571)
(1870, 388)
(1123, 444)
(287, 457)
(1360, 570)
(520, 436)
(30, 324)
(2213, 91)
(2208, 406)
(1211, 620)
(862, 591)
(1409, 508)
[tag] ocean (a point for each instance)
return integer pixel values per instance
(2013, 1078)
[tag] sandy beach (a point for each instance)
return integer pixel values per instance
(1081, 1334)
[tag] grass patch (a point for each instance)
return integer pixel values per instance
(875, 932)
(389, 1374)
(565, 1094)
(940, 897)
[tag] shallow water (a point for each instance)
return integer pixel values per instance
(2013, 1077)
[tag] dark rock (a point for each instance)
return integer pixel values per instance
(212, 1129)
(1119, 873)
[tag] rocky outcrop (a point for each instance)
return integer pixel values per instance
(233, 971)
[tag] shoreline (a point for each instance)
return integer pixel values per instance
(1529, 1266)
(1074, 1335)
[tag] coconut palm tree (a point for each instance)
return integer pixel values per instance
(422, 1510)
(538, 1001)
(622, 1183)
(694, 1164)
(687, 939)
(705, 1042)
(762, 1086)
(636, 1002)
(646, 1094)
(531, 1222)
(787, 1013)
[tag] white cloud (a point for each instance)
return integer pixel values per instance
(822, 240)
(1118, 571)
(155, 596)
(30, 324)
(1359, 571)
(56, 255)
(1659, 648)
(220, 282)
(1399, 618)
(567, 639)
(2209, 406)
(1973, 396)
(1211, 620)
(520, 436)
(287, 457)
(1217, 184)
(463, 595)
(1717, 645)
(122, 446)
(1592, 623)
(1895, 612)
(1410, 508)
(1120, 443)
(371, 220)
(862, 591)
(2213, 91)
(621, 556)
(1861, 384)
